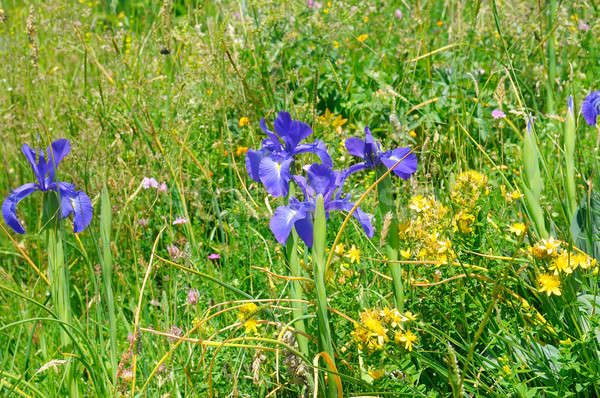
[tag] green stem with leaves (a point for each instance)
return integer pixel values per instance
(107, 268)
(389, 234)
(319, 240)
(297, 292)
(58, 274)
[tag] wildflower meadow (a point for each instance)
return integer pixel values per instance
(257, 198)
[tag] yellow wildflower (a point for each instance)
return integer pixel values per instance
(567, 341)
(408, 338)
(370, 332)
(336, 44)
(354, 254)
(246, 310)
(243, 121)
(418, 203)
(405, 253)
(583, 261)
(410, 316)
(241, 150)
(339, 249)
(468, 188)
(514, 195)
(545, 248)
(412, 133)
(251, 325)
(376, 373)
(392, 316)
(517, 228)
(506, 369)
(563, 263)
(464, 222)
(362, 37)
(550, 284)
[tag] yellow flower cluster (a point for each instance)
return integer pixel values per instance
(376, 326)
(330, 119)
(559, 262)
(426, 229)
(468, 188)
(466, 192)
(246, 314)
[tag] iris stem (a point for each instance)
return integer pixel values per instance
(389, 237)
(297, 292)
(58, 274)
(325, 340)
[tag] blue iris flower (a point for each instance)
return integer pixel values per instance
(370, 152)
(591, 107)
(271, 164)
(326, 182)
(71, 201)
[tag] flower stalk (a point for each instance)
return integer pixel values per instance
(532, 182)
(569, 145)
(58, 274)
(325, 340)
(389, 237)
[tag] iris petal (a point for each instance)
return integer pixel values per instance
(283, 219)
(355, 147)
(304, 227)
(76, 203)
(272, 136)
(274, 173)
(9, 207)
(291, 131)
(363, 218)
(30, 154)
(56, 152)
(321, 179)
(591, 107)
(406, 168)
(318, 148)
(253, 159)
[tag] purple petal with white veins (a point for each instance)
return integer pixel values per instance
(307, 190)
(363, 218)
(272, 136)
(253, 159)
(291, 131)
(9, 207)
(406, 168)
(282, 221)
(321, 179)
(60, 149)
(318, 148)
(304, 228)
(76, 203)
(274, 173)
(355, 147)
(591, 107)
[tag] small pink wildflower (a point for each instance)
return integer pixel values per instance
(162, 187)
(398, 13)
(498, 114)
(193, 296)
(149, 183)
(174, 252)
(175, 331)
(214, 256)
(179, 220)
(584, 26)
(143, 222)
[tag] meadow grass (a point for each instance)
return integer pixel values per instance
(487, 285)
